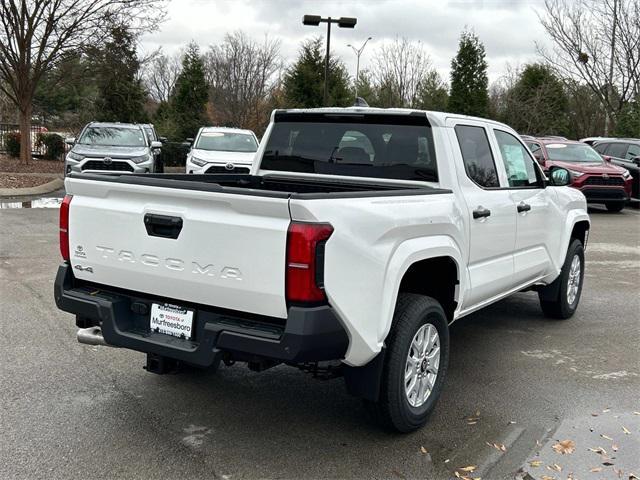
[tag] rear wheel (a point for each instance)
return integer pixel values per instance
(560, 299)
(614, 206)
(417, 354)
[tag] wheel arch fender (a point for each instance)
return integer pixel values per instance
(409, 253)
(576, 221)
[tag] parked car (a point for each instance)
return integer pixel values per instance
(222, 150)
(333, 258)
(596, 177)
(593, 140)
(624, 152)
(112, 147)
(152, 136)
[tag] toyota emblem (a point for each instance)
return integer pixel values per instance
(605, 176)
(107, 160)
(229, 166)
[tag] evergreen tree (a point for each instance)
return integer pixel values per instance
(629, 120)
(121, 96)
(537, 104)
(469, 81)
(188, 101)
(304, 81)
(432, 93)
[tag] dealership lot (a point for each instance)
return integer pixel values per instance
(76, 411)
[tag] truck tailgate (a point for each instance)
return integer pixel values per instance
(229, 251)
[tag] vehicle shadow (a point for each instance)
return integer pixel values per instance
(282, 422)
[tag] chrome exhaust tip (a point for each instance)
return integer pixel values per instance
(91, 336)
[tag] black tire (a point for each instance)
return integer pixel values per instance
(392, 410)
(614, 206)
(553, 298)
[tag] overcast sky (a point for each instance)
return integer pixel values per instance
(508, 28)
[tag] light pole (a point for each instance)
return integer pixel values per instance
(343, 22)
(358, 52)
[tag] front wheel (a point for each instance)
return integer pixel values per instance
(415, 365)
(614, 206)
(560, 299)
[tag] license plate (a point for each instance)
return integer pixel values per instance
(171, 320)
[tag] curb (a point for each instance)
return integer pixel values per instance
(55, 184)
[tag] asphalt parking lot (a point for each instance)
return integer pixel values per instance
(74, 411)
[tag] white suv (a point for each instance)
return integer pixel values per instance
(112, 147)
(222, 150)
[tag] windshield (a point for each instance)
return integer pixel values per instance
(563, 152)
(342, 146)
(226, 142)
(113, 136)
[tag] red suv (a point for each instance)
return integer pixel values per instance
(595, 176)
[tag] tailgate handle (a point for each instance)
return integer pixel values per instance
(163, 226)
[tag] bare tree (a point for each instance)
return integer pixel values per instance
(241, 74)
(160, 73)
(597, 43)
(37, 34)
(399, 69)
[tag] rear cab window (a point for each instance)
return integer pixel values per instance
(398, 147)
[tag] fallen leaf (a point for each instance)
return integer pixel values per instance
(565, 446)
(470, 468)
(606, 437)
(599, 450)
(636, 413)
(500, 446)
(555, 467)
(633, 476)
(471, 422)
(625, 430)
(512, 422)
(446, 461)
(596, 469)
(535, 463)
(594, 414)
(618, 472)
(606, 410)
(457, 474)
(614, 447)
(547, 477)
(423, 450)
(608, 464)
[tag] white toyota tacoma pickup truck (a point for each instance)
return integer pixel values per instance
(359, 236)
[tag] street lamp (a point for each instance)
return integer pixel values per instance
(358, 52)
(343, 22)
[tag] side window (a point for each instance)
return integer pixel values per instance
(601, 147)
(520, 167)
(618, 150)
(633, 152)
(477, 156)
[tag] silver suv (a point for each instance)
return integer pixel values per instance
(112, 147)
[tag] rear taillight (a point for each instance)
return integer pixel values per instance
(305, 262)
(64, 226)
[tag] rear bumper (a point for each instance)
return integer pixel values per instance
(307, 335)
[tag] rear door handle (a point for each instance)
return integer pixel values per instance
(163, 226)
(523, 207)
(481, 212)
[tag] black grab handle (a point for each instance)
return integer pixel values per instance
(163, 226)
(481, 212)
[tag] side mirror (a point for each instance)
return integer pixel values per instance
(636, 160)
(189, 140)
(559, 177)
(155, 144)
(70, 140)
(607, 158)
(162, 139)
